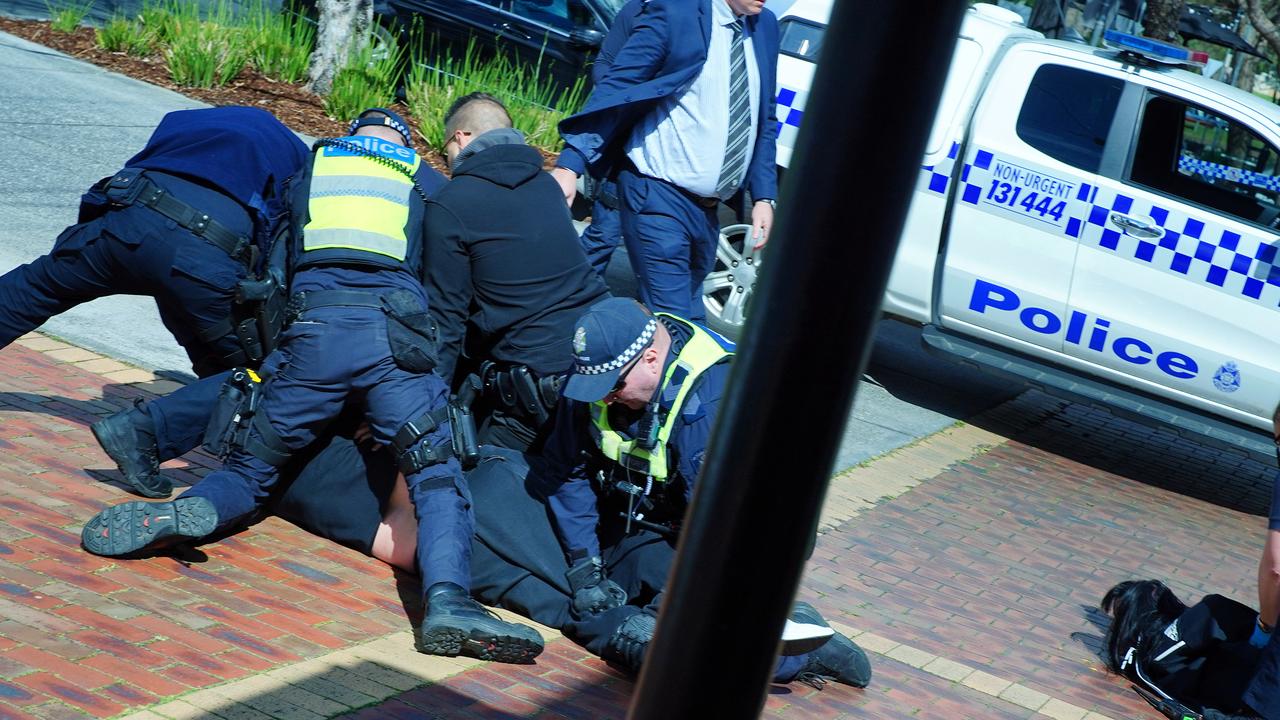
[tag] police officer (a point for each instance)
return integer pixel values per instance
(628, 443)
(185, 221)
(361, 333)
(505, 287)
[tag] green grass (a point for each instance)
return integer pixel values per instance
(436, 79)
(162, 18)
(367, 80)
(207, 54)
(123, 35)
(66, 19)
(282, 42)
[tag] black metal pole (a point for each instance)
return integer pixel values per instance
(843, 203)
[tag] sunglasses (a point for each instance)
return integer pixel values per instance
(622, 377)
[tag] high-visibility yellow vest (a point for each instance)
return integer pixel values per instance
(703, 350)
(359, 206)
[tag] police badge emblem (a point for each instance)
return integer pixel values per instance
(1227, 379)
(580, 341)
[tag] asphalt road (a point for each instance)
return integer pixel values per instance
(70, 123)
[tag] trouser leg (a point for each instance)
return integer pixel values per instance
(441, 499)
(315, 362)
(180, 418)
(81, 268)
(660, 227)
(601, 237)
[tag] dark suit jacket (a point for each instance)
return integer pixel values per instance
(662, 55)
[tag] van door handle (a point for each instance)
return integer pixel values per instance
(1139, 227)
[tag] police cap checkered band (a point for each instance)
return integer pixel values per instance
(608, 336)
(384, 117)
(628, 354)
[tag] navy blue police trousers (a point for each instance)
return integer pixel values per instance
(327, 357)
(136, 251)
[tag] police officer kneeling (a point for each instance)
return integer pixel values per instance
(627, 446)
(361, 332)
(189, 220)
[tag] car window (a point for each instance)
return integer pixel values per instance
(800, 38)
(1202, 157)
(553, 13)
(1067, 114)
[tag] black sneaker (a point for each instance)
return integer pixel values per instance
(805, 631)
(457, 625)
(136, 528)
(134, 452)
(840, 660)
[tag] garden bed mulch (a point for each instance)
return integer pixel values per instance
(301, 110)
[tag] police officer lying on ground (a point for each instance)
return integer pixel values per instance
(1202, 656)
(505, 273)
(188, 221)
(361, 332)
(629, 440)
(352, 494)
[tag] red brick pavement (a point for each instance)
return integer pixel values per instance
(996, 563)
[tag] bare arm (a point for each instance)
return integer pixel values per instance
(1269, 580)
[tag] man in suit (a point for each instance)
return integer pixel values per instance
(684, 117)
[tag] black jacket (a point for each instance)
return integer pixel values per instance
(506, 274)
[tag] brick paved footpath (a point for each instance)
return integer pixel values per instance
(968, 564)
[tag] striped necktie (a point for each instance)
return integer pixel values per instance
(735, 150)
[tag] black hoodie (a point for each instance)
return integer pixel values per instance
(505, 271)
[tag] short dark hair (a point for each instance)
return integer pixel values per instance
(476, 113)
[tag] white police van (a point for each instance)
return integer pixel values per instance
(1099, 222)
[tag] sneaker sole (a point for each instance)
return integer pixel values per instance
(480, 644)
(108, 435)
(135, 527)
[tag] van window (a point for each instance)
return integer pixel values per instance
(1067, 114)
(1199, 156)
(800, 38)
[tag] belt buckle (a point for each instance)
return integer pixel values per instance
(708, 202)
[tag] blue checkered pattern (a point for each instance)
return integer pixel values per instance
(1209, 254)
(1226, 172)
(790, 110)
(1212, 255)
(935, 178)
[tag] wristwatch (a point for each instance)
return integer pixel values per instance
(772, 203)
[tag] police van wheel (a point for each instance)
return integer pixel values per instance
(727, 289)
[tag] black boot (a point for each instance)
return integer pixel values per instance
(128, 437)
(627, 646)
(840, 660)
(457, 625)
(137, 529)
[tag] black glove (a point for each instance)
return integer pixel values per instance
(593, 593)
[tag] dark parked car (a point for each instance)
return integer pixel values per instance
(563, 35)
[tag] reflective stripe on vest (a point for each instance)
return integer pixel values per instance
(699, 353)
(358, 204)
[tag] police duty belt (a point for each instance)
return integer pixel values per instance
(131, 187)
